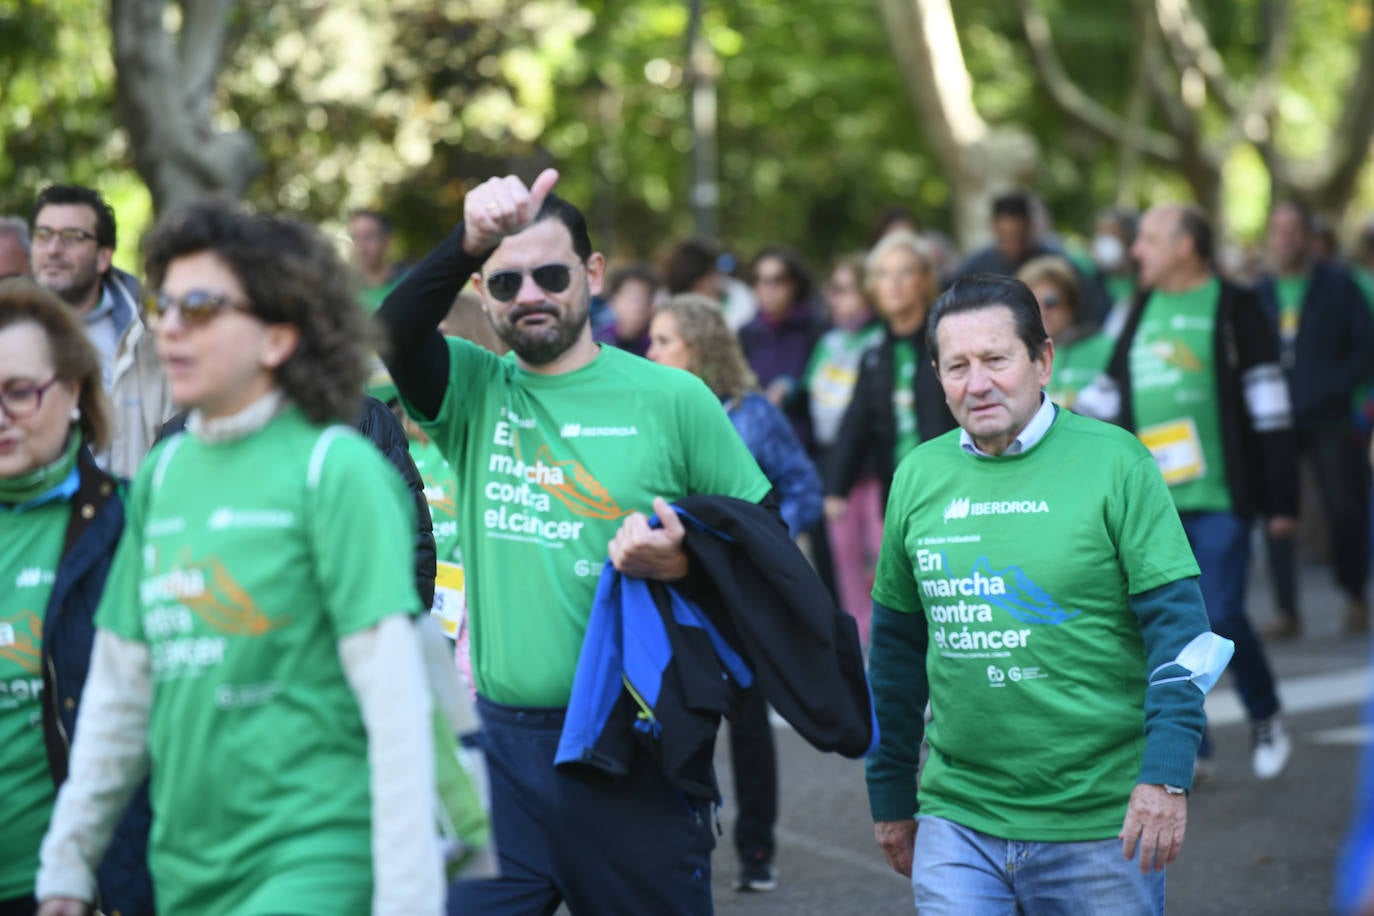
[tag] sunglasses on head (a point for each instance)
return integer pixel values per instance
(196, 307)
(503, 285)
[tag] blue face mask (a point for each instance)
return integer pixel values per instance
(1204, 659)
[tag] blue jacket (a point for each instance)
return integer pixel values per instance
(93, 532)
(782, 459)
(660, 665)
(1334, 350)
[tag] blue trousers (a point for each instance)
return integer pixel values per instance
(1221, 543)
(633, 846)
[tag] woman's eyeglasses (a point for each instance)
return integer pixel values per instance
(503, 285)
(196, 307)
(19, 402)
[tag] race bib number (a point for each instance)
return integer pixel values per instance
(1288, 325)
(450, 601)
(1177, 450)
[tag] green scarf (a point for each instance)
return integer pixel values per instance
(28, 487)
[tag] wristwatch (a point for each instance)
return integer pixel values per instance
(1176, 790)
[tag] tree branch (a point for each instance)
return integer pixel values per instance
(1253, 122)
(176, 149)
(1137, 108)
(204, 28)
(1191, 47)
(1077, 105)
(931, 58)
(976, 157)
(1350, 143)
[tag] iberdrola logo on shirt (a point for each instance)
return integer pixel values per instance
(963, 507)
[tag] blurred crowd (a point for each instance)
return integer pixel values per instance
(824, 370)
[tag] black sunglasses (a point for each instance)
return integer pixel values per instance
(552, 278)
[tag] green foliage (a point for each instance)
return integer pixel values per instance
(815, 133)
(56, 112)
(403, 105)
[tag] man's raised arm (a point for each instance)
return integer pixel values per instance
(417, 356)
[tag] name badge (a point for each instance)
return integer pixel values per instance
(450, 601)
(1177, 449)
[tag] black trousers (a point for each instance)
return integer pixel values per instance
(18, 906)
(754, 760)
(1343, 481)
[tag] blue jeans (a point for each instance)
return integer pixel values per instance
(1221, 543)
(961, 872)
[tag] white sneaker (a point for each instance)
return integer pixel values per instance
(1272, 748)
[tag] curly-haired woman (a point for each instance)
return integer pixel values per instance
(254, 648)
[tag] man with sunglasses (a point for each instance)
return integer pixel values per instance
(558, 449)
(73, 242)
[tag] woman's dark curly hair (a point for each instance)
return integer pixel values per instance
(292, 275)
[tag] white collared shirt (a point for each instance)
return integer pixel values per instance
(1032, 433)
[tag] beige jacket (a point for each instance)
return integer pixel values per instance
(138, 390)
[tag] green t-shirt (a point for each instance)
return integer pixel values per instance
(831, 375)
(1075, 367)
(547, 468)
(1022, 566)
(28, 568)
(372, 297)
(1119, 288)
(242, 566)
(442, 498)
(904, 399)
(1290, 290)
(1174, 394)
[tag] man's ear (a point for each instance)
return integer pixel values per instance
(478, 285)
(596, 272)
(1046, 361)
(103, 258)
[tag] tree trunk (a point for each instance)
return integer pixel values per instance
(979, 160)
(165, 87)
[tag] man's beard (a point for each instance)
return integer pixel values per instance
(542, 345)
(75, 291)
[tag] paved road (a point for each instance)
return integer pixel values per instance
(1252, 848)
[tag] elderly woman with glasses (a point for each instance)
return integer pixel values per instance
(1080, 354)
(255, 649)
(61, 518)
